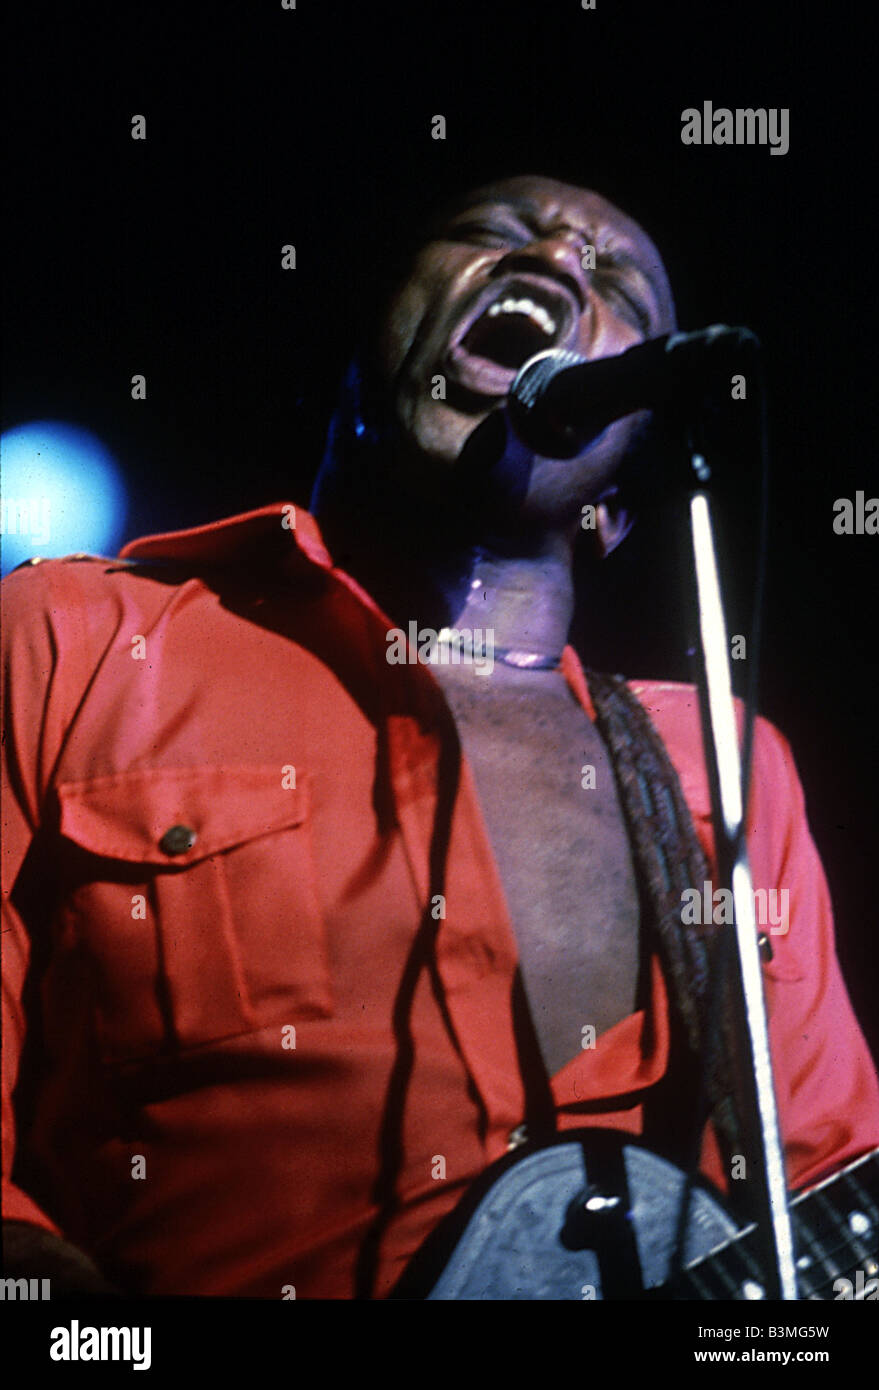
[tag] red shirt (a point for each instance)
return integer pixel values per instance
(231, 1025)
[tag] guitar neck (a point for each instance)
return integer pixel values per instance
(836, 1235)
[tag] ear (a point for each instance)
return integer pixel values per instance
(613, 522)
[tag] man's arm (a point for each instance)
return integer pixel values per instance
(34, 721)
(825, 1080)
(33, 1247)
(826, 1085)
(31, 1252)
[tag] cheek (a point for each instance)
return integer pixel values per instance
(410, 306)
(610, 335)
(418, 314)
(404, 314)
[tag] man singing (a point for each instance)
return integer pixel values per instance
(304, 931)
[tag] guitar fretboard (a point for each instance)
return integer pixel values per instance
(836, 1235)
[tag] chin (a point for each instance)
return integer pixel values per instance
(439, 432)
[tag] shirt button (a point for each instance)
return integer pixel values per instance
(178, 840)
(517, 1137)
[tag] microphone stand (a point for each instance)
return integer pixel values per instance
(679, 371)
(760, 1117)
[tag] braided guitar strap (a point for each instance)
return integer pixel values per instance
(668, 860)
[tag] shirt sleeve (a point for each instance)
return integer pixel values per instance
(826, 1086)
(32, 721)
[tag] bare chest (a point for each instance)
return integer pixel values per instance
(547, 792)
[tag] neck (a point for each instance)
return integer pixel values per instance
(520, 595)
(451, 560)
(524, 600)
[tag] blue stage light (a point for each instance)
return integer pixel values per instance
(61, 491)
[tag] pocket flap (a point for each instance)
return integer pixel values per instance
(129, 815)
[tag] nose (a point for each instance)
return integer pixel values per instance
(559, 253)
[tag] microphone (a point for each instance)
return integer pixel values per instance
(560, 402)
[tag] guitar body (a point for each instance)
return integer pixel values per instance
(588, 1216)
(592, 1216)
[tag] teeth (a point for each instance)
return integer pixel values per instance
(535, 312)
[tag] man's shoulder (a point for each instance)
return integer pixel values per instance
(674, 708)
(67, 612)
(663, 696)
(148, 566)
(676, 705)
(45, 579)
(215, 543)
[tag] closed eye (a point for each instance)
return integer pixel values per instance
(485, 233)
(616, 292)
(617, 276)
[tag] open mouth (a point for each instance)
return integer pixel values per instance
(507, 325)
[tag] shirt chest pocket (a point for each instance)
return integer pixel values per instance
(193, 893)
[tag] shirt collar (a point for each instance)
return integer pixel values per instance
(220, 542)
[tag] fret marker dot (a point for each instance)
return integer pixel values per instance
(859, 1224)
(752, 1290)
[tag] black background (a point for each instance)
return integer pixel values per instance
(312, 126)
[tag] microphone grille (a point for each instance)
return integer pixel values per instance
(527, 395)
(535, 375)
